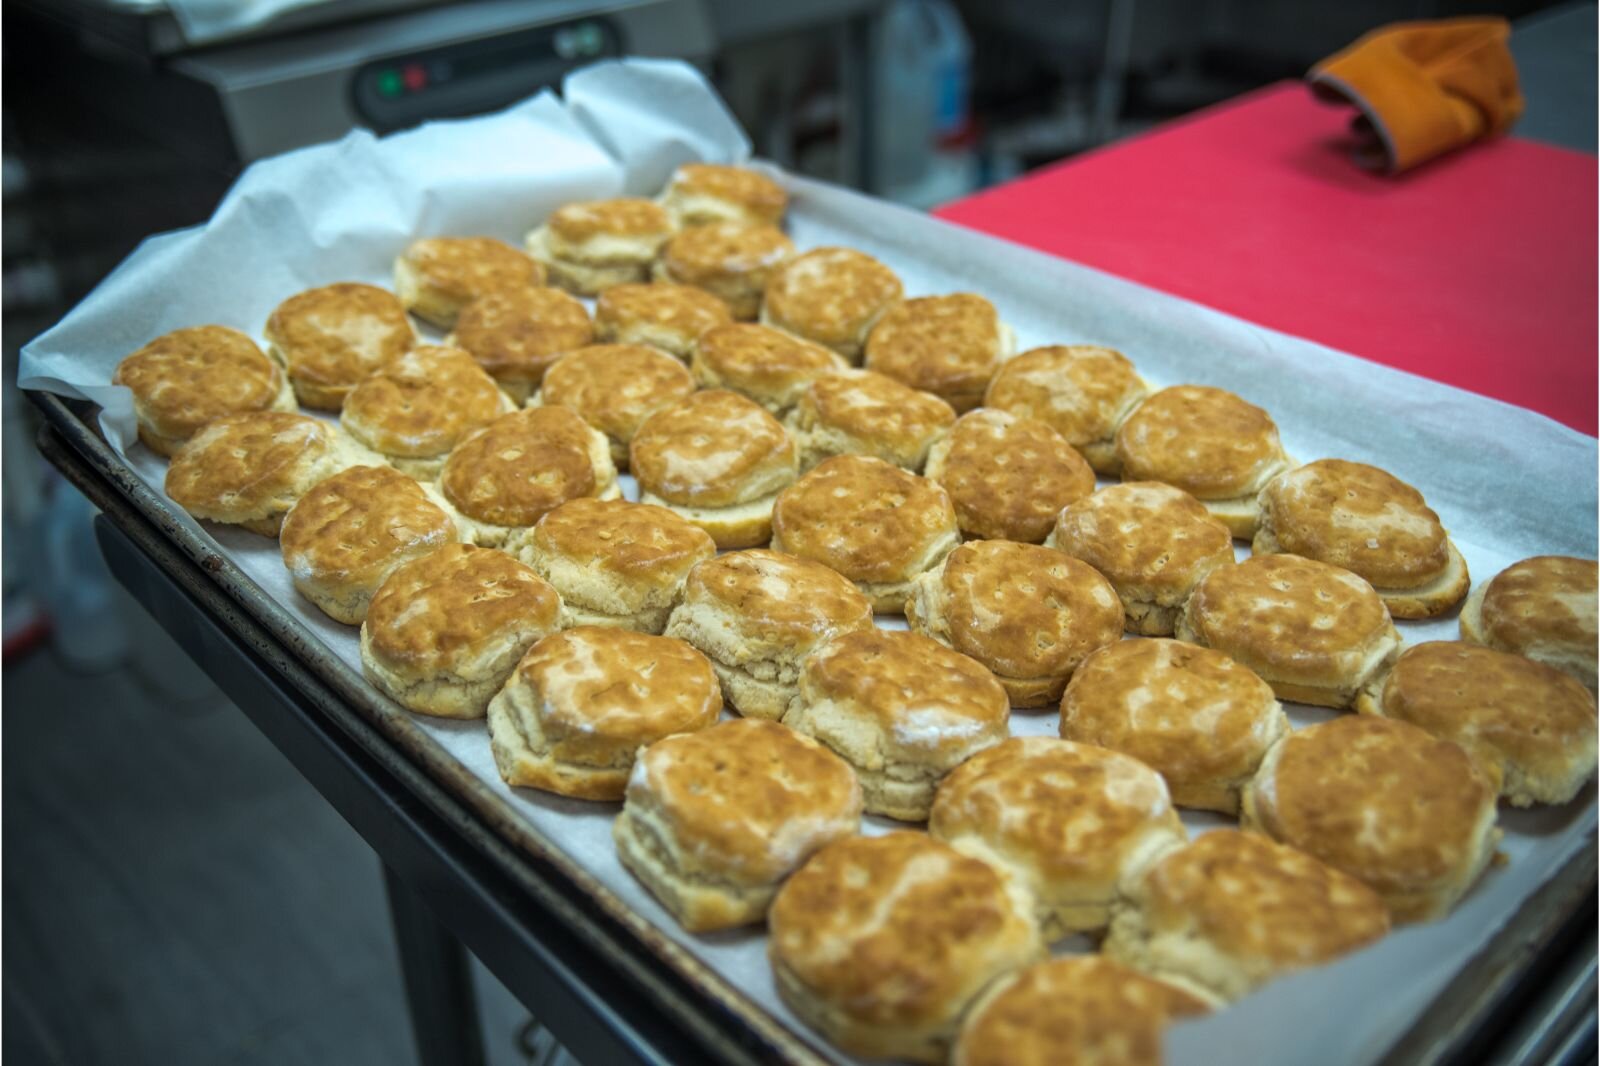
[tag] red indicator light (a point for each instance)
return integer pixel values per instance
(415, 75)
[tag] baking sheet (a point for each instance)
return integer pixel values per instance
(1508, 483)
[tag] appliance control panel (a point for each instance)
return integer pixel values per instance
(471, 77)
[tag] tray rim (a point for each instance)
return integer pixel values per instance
(1442, 1033)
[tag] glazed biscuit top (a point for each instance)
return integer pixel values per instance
(1087, 1010)
(421, 403)
(865, 517)
(870, 406)
(453, 604)
(188, 377)
(793, 599)
(593, 228)
(660, 304)
(1146, 535)
(1255, 899)
(701, 254)
(924, 696)
(750, 189)
(1549, 599)
(465, 268)
(1290, 611)
(1009, 476)
(899, 928)
(1191, 711)
(938, 343)
(756, 359)
(747, 797)
(1378, 798)
(520, 331)
(615, 688)
(714, 449)
(1358, 517)
(240, 460)
(337, 334)
(830, 294)
(636, 542)
(1071, 811)
(1080, 390)
(1026, 610)
(615, 387)
(1521, 710)
(1205, 441)
(357, 521)
(521, 465)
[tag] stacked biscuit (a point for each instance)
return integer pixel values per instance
(751, 714)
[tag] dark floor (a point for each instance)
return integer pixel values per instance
(175, 893)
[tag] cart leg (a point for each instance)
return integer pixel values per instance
(439, 994)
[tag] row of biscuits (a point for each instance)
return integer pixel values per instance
(908, 783)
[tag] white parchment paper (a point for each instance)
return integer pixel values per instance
(1508, 483)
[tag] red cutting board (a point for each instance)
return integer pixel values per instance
(1478, 269)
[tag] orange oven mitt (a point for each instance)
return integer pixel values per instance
(1424, 88)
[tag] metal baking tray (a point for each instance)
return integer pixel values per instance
(733, 1028)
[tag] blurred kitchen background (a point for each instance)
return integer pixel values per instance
(123, 118)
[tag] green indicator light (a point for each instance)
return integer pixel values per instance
(389, 83)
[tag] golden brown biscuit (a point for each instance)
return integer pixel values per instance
(1208, 442)
(1409, 814)
(186, 378)
(769, 367)
(1082, 391)
(1369, 522)
(1530, 726)
(947, 345)
(873, 523)
(1231, 911)
(509, 474)
(417, 407)
(715, 821)
(1029, 614)
(1084, 1010)
(333, 337)
(900, 708)
(699, 194)
(341, 539)
(1066, 821)
(1153, 543)
(662, 315)
(1314, 632)
(1543, 608)
(1196, 717)
(582, 702)
(615, 563)
(1007, 476)
(589, 247)
(248, 470)
(882, 942)
(756, 615)
(719, 461)
(438, 276)
(833, 296)
(615, 387)
(443, 633)
(730, 260)
(860, 412)
(516, 333)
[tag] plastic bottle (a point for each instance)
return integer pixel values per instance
(924, 71)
